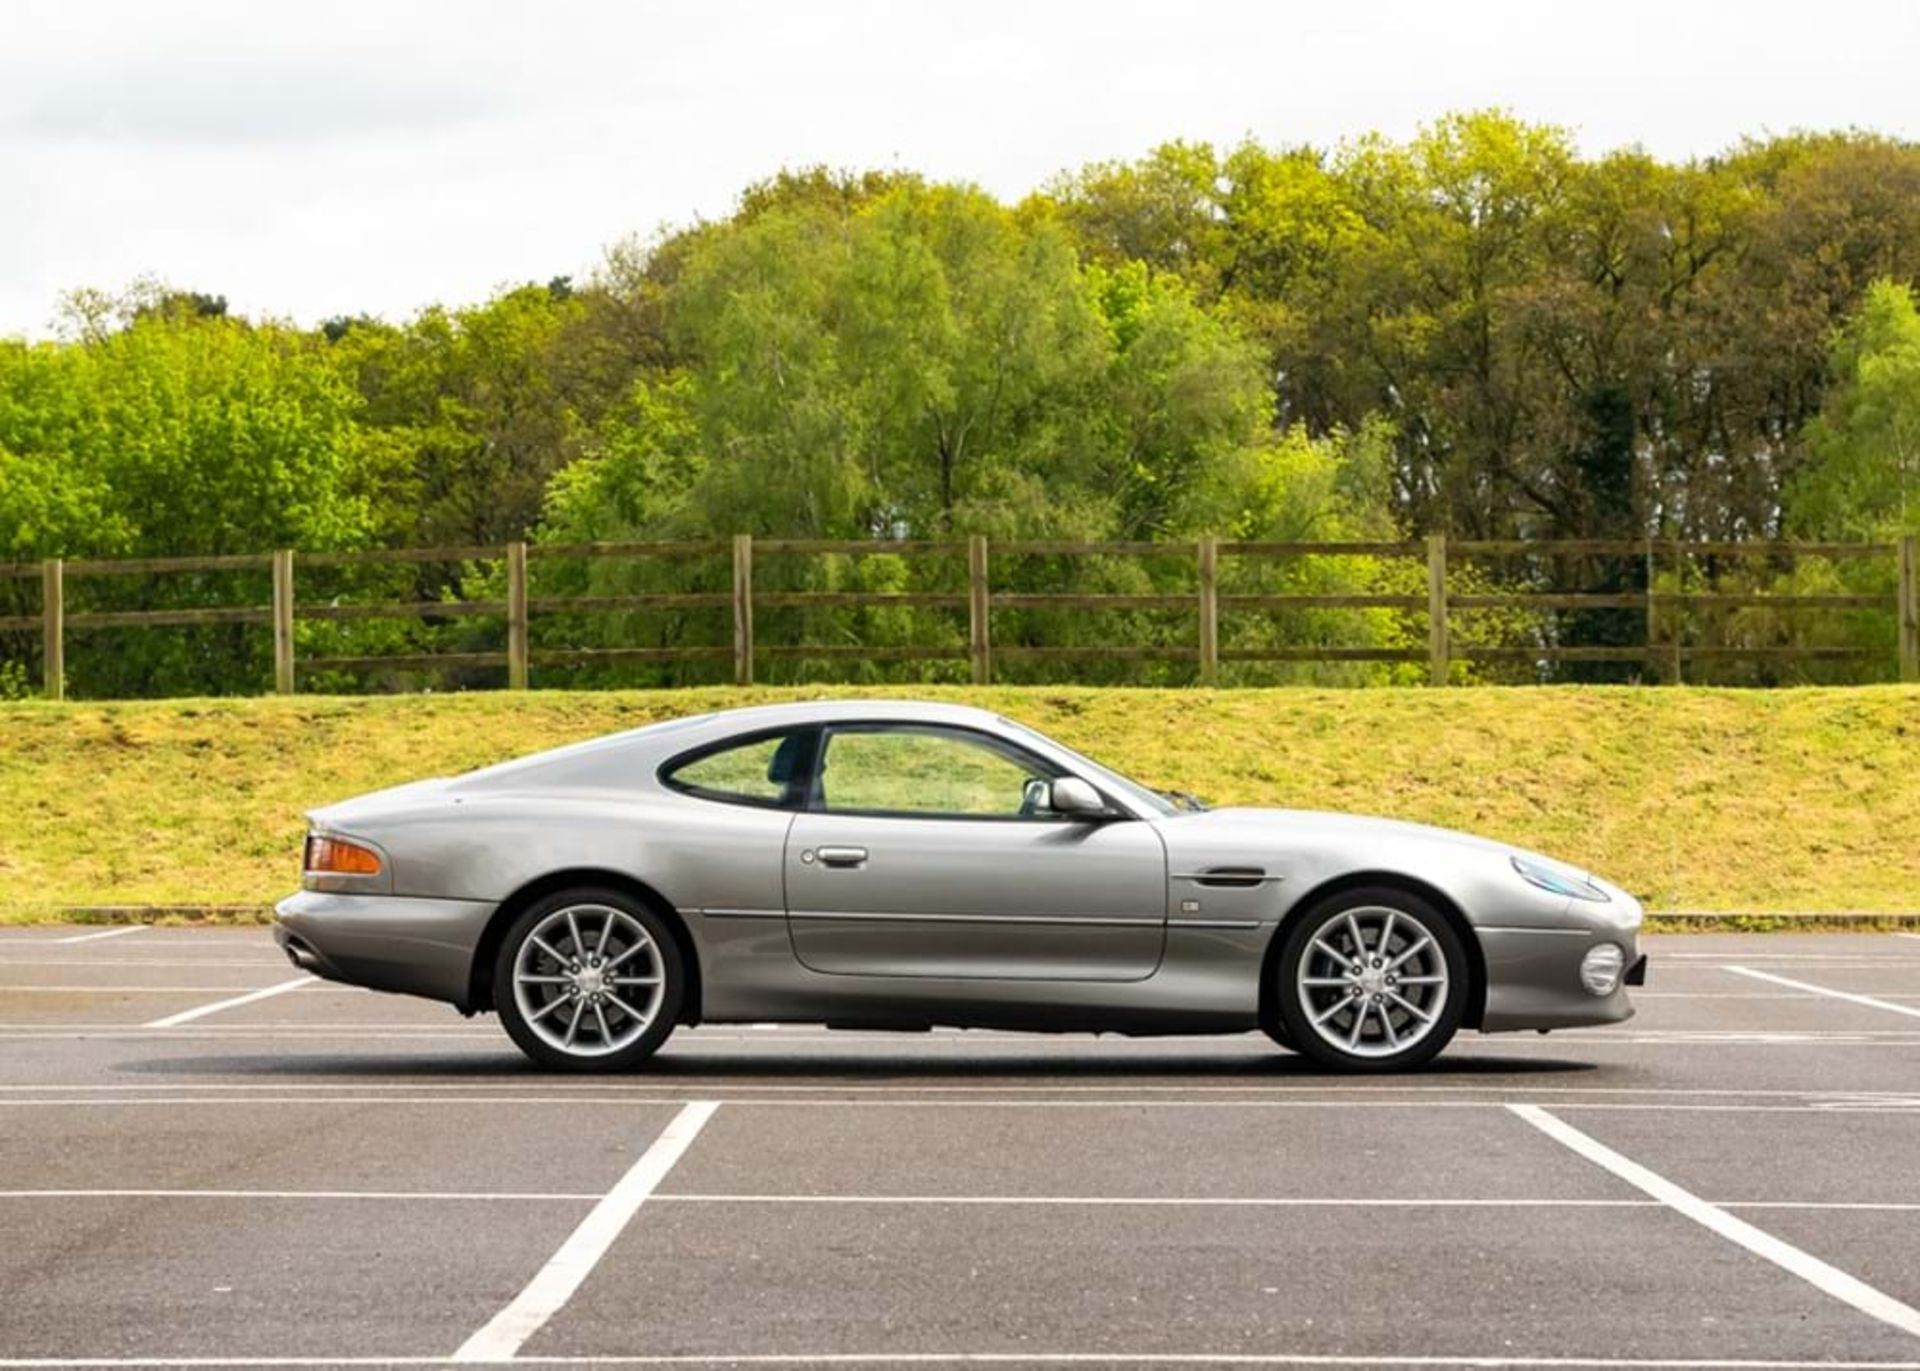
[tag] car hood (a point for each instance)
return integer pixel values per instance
(1224, 836)
(1263, 823)
(1290, 853)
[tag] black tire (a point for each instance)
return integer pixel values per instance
(1405, 919)
(521, 1007)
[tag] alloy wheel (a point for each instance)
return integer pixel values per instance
(588, 980)
(1373, 982)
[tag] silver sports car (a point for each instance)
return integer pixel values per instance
(897, 865)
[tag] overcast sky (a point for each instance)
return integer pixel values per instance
(316, 157)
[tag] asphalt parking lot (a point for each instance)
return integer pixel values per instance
(205, 1159)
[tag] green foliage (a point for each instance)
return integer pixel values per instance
(1565, 346)
(182, 433)
(1474, 331)
(179, 434)
(1863, 480)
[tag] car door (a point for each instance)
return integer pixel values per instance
(927, 851)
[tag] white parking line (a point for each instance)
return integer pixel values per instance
(598, 1089)
(1331, 1359)
(1828, 1279)
(189, 1015)
(829, 1099)
(549, 1291)
(107, 988)
(1868, 1000)
(1266, 1202)
(107, 933)
(548, 1196)
(144, 962)
(1696, 961)
(957, 1201)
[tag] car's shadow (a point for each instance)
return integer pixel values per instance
(686, 1068)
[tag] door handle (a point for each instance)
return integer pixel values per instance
(843, 856)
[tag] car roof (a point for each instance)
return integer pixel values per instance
(826, 711)
(654, 743)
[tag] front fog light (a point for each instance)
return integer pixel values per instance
(1600, 969)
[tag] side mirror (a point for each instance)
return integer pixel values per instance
(1078, 800)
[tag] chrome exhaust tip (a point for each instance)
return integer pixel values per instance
(302, 956)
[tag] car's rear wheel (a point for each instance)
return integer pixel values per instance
(589, 980)
(1371, 980)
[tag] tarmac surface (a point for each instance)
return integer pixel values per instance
(206, 1159)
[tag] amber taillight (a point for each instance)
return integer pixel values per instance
(338, 857)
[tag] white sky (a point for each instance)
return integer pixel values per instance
(334, 156)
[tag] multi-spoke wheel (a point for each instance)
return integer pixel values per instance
(1371, 980)
(588, 980)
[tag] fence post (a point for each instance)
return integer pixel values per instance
(53, 624)
(1676, 622)
(283, 621)
(743, 609)
(1209, 610)
(1910, 608)
(1436, 609)
(1653, 613)
(516, 616)
(979, 639)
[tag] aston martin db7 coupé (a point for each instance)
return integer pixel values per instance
(899, 865)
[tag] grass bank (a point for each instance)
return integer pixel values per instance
(1693, 799)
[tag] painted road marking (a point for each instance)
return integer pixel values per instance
(548, 1292)
(1012, 1201)
(1266, 1202)
(828, 1100)
(144, 962)
(1505, 1362)
(97, 988)
(1831, 1280)
(1868, 1000)
(599, 1089)
(550, 1196)
(189, 1015)
(107, 933)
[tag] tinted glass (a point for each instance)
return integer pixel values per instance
(759, 771)
(907, 771)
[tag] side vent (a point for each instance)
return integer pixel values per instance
(1232, 877)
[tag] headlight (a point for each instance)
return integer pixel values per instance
(1561, 880)
(1600, 969)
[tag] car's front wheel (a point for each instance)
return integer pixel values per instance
(1371, 980)
(589, 980)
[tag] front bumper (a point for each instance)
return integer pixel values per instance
(1533, 978)
(385, 942)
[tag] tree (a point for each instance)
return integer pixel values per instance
(1862, 479)
(182, 433)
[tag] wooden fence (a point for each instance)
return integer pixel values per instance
(1665, 654)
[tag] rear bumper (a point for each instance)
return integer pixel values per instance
(385, 942)
(1533, 978)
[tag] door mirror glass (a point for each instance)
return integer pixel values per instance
(1076, 799)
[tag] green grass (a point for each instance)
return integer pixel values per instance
(1693, 799)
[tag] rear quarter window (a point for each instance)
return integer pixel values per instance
(758, 771)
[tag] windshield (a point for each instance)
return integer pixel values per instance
(1153, 801)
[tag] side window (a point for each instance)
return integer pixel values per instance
(762, 771)
(927, 771)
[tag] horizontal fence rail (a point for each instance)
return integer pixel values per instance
(1663, 648)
